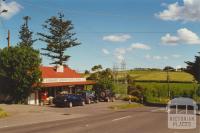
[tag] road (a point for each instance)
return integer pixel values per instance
(138, 120)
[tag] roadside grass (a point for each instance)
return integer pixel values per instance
(126, 106)
(3, 113)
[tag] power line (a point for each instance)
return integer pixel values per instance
(135, 32)
(75, 12)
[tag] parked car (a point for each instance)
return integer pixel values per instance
(89, 96)
(68, 100)
(105, 95)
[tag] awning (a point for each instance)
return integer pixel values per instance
(59, 84)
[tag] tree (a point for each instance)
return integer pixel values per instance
(25, 34)
(97, 68)
(106, 73)
(19, 72)
(194, 68)
(87, 72)
(168, 68)
(58, 39)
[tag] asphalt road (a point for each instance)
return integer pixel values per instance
(140, 120)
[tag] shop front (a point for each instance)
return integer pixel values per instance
(56, 80)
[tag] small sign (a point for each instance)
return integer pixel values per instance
(182, 113)
(181, 121)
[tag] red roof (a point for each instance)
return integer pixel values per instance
(66, 84)
(50, 72)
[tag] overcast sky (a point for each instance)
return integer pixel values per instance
(144, 33)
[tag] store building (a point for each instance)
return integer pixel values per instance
(56, 80)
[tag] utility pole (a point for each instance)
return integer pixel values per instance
(5, 11)
(168, 83)
(8, 39)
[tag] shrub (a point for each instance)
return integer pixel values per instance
(132, 98)
(3, 113)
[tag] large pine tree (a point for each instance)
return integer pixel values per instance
(58, 38)
(25, 35)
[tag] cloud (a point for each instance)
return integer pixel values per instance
(183, 36)
(168, 39)
(178, 67)
(156, 57)
(139, 46)
(105, 51)
(12, 9)
(117, 38)
(188, 11)
(119, 54)
(176, 56)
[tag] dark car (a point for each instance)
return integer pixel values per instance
(68, 100)
(105, 95)
(89, 96)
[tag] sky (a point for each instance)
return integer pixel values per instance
(142, 33)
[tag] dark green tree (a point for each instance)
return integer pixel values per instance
(87, 72)
(25, 35)
(19, 72)
(97, 68)
(58, 38)
(168, 68)
(194, 68)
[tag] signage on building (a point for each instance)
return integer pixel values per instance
(57, 80)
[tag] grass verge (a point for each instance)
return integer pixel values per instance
(3, 113)
(126, 106)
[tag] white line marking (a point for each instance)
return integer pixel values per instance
(158, 109)
(117, 119)
(4, 127)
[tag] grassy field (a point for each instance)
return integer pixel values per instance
(165, 85)
(160, 75)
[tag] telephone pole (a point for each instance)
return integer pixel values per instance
(8, 39)
(168, 78)
(5, 11)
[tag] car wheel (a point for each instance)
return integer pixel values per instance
(113, 99)
(70, 104)
(88, 101)
(96, 101)
(107, 99)
(82, 103)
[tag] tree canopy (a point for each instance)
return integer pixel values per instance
(59, 38)
(25, 35)
(97, 68)
(194, 68)
(19, 72)
(168, 68)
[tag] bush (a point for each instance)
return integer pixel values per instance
(156, 100)
(3, 113)
(119, 88)
(132, 98)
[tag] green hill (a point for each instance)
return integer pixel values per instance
(158, 76)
